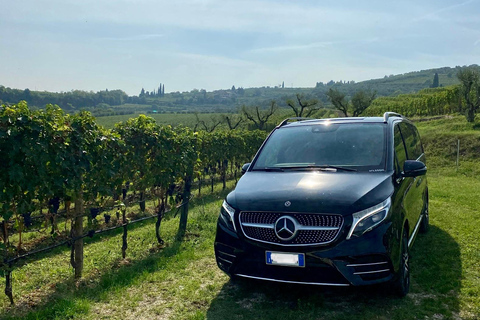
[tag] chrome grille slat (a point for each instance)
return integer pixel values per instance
(313, 229)
(366, 264)
(225, 260)
(259, 225)
(227, 254)
(370, 272)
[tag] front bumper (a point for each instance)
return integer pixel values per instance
(358, 261)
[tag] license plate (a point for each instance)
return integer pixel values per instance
(285, 259)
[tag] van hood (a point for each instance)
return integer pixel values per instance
(316, 192)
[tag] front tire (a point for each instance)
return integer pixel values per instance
(402, 283)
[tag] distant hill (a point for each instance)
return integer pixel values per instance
(117, 102)
(230, 100)
(412, 81)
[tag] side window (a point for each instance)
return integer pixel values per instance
(418, 144)
(400, 153)
(412, 141)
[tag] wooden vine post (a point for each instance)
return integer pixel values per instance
(8, 270)
(78, 232)
(160, 212)
(81, 155)
(8, 284)
(124, 237)
(186, 198)
(188, 145)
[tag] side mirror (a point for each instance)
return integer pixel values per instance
(245, 167)
(414, 168)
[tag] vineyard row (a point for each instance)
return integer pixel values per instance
(47, 155)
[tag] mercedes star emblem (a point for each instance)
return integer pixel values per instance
(287, 204)
(286, 228)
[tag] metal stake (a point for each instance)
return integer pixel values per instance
(458, 153)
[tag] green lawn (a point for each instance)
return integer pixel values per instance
(186, 119)
(174, 119)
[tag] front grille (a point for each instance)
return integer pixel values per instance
(312, 228)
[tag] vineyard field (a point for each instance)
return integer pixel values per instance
(50, 157)
(178, 279)
(173, 119)
(181, 281)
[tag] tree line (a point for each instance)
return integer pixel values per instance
(463, 98)
(69, 101)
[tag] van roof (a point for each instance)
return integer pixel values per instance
(387, 117)
(331, 120)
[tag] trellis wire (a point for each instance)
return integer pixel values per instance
(71, 240)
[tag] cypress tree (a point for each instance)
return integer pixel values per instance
(435, 81)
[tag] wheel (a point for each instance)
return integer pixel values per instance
(424, 225)
(402, 283)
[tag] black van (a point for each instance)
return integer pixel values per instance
(333, 202)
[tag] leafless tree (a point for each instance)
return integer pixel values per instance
(259, 117)
(233, 120)
(209, 126)
(307, 106)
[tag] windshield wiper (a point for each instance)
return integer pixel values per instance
(304, 167)
(327, 166)
(321, 167)
(274, 169)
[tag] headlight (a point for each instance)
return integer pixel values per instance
(366, 220)
(226, 216)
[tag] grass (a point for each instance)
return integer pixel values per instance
(182, 281)
(44, 288)
(440, 139)
(174, 119)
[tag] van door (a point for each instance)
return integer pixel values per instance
(414, 151)
(404, 184)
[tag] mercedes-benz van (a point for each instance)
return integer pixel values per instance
(333, 202)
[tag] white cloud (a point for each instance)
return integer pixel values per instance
(226, 15)
(138, 37)
(292, 47)
(314, 45)
(216, 60)
(434, 15)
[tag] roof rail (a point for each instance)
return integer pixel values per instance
(387, 115)
(284, 122)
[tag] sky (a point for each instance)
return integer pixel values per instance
(92, 45)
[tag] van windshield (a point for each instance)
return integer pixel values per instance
(345, 146)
